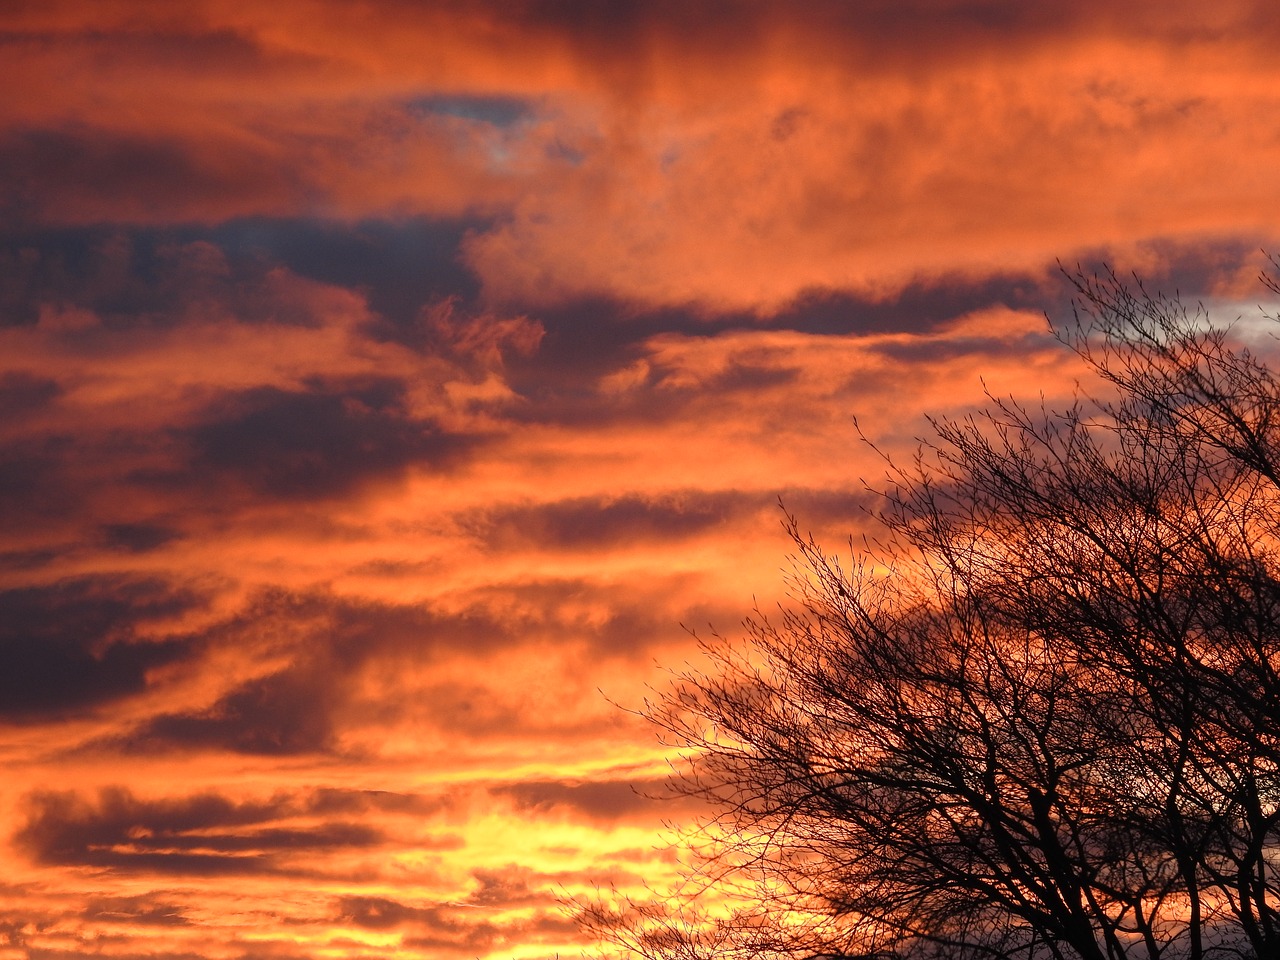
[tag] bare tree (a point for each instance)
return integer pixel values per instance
(1040, 716)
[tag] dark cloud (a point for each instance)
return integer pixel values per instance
(76, 483)
(30, 559)
(75, 644)
(175, 44)
(138, 537)
(285, 713)
(301, 708)
(24, 393)
(943, 349)
(1169, 264)
(848, 507)
(399, 264)
(584, 340)
(880, 31)
(329, 438)
(207, 834)
(358, 631)
(34, 485)
(466, 936)
(749, 378)
(912, 36)
(919, 306)
(336, 800)
(606, 800)
(131, 276)
(591, 338)
(381, 913)
(463, 928)
(84, 173)
(111, 271)
(598, 522)
(317, 444)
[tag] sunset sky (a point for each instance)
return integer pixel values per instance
(383, 385)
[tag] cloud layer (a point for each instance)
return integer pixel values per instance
(384, 385)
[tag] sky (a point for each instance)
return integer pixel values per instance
(390, 390)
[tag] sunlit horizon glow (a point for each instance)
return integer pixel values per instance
(385, 385)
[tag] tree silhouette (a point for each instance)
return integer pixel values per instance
(1039, 716)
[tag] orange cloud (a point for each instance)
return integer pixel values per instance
(383, 381)
(729, 158)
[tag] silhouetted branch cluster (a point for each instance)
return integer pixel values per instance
(1040, 716)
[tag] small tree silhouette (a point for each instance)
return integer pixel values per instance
(1040, 716)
